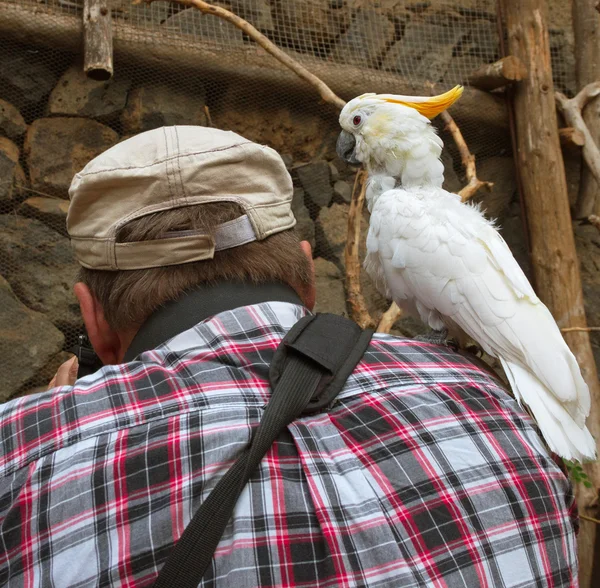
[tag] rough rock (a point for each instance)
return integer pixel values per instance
(57, 148)
(286, 126)
(342, 191)
(365, 40)
(39, 383)
(12, 177)
(305, 227)
(256, 12)
(51, 211)
(29, 341)
(77, 95)
(331, 296)
(573, 163)
(500, 171)
(482, 41)
(316, 181)
(460, 67)
(154, 13)
(562, 59)
(25, 79)
(205, 27)
(12, 124)
(424, 52)
(39, 265)
(288, 160)
(334, 224)
(150, 107)
(310, 25)
(334, 172)
(587, 241)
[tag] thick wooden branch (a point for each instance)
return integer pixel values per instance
(467, 158)
(97, 40)
(506, 71)
(571, 110)
(324, 90)
(571, 138)
(43, 25)
(356, 301)
(554, 260)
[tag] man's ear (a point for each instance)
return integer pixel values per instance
(104, 340)
(310, 294)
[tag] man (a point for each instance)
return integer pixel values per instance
(424, 472)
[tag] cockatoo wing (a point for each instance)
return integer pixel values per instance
(452, 264)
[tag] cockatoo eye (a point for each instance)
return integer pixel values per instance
(356, 120)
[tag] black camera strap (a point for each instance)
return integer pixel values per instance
(308, 371)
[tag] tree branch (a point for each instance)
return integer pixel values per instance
(468, 160)
(324, 90)
(388, 318)
(505, 71)
(572, 109)
(356, 301)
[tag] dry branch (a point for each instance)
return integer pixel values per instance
(572, 109)
(505, 71)
(571, 138)
(388, 318)
(579, 329)
(324, 90)
(356, 301)
(97, 40)
(467, 158)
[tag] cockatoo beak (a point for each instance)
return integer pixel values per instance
(345, 148)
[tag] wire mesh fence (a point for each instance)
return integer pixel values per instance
(174, 65)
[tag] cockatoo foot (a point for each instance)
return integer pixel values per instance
(435, 338)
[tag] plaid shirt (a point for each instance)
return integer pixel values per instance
(424, 473)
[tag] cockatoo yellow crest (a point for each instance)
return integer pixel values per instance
(427, 106)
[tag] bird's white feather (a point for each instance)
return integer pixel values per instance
(442, 258)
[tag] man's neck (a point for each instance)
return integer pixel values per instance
(199, 304)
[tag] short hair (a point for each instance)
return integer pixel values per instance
(129, 297)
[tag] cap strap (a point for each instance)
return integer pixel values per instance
(234, 233)
(183, 246)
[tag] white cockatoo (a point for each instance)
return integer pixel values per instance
(441, 260)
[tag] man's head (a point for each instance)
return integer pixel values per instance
(170, 210)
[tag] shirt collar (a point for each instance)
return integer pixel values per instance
(200, 304)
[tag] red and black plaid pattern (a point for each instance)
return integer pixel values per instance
(424, 473)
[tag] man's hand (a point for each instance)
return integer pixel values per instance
(66, 374)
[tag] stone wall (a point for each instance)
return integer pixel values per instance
(53, 121)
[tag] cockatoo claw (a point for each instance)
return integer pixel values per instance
(436, 338)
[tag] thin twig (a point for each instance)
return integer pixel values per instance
(356, 301)
(208, 117)
(26, 189)
(388, 318)
(579, 329)
(591, 519)
(324, 90)
(468, 160)
(594, 219)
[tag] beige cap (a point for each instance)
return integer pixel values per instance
(169, 168)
